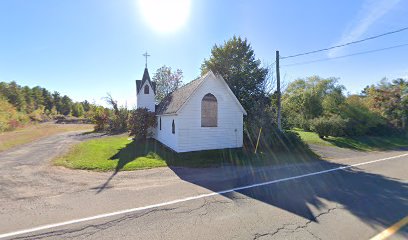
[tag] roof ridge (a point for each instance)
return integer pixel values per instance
(188, 84)
(172, 102)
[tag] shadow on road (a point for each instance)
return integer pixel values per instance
(371, 197)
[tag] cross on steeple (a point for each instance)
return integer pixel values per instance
(146, 55)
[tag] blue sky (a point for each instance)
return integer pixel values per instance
(86, 48)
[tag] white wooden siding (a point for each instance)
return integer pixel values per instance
(145, 100)
(164, 135)
(229, 131)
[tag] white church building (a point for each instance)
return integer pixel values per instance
(202, 115)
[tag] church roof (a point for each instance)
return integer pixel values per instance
(145, 78)
(175, 100)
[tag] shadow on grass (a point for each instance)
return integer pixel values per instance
(200, 159)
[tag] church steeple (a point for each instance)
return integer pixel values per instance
(146, 92)
(146, 78)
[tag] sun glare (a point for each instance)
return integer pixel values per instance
(165, 15)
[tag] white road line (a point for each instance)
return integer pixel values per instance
(49, 226)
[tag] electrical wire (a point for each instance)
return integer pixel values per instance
(346, 44)
(344, 56)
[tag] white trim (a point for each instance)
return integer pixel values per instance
(231, 93)
(219, 77)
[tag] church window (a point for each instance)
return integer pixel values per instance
(173, 127)
(146, 89)
(209, 111)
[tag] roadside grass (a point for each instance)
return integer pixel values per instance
(117, 153)
(362, 143)
(34, 132)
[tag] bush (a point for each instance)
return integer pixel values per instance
(77, 110)
(118, 121)
(10, 118)
(334, 126)
(39, 115)
(100, 118)
(140, 121)
(362, 121)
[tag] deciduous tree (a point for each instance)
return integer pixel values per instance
(167, 81)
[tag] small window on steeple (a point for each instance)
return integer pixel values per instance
(146, 89)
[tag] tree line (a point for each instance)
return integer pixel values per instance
(22, 104)
(321, 105)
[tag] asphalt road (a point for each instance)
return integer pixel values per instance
(351, 203)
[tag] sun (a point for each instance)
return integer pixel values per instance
(165, 15)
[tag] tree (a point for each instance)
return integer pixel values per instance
(235, 61)
(119, 120)
(167, 81)
(140, 121)
(56, 98)
(48, 101)
(28, 99)
(310, 98)
(86, 105)
(15, 96)
(37, 94)
(77, 110)
(100, 117)
(362, 121)
(390, 99)
(66, 105)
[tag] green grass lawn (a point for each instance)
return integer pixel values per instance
(116, 153)
(363, 143)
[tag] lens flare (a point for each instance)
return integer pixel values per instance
(165, 15)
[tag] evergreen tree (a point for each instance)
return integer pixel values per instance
(28, 99)
(38, 97)
(86, 105)
(48, 101)
(15, 96)
(66, 105)
(56, 98)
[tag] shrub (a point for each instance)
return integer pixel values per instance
(362, 121)
(38, 115)
(77, 110)
(334, 126)
(10, 118)
(100, 118)
(140, 121)
(118, 121)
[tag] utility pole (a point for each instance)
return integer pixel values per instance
(278, 90)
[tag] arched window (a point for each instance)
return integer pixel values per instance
(209, 111)
(173, 127)
(160, 123)
(146, 89)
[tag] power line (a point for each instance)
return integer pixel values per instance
(346, 44)
(344, 56)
